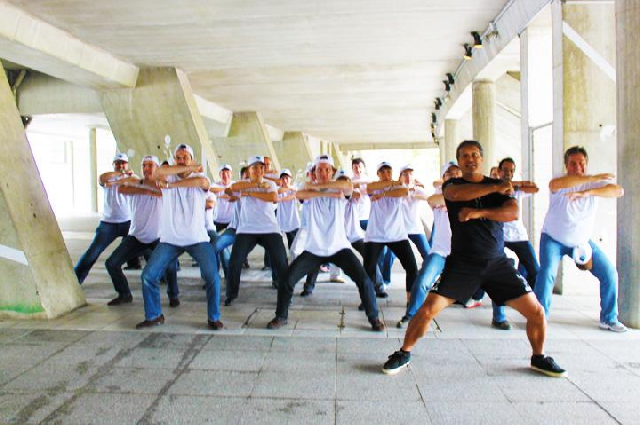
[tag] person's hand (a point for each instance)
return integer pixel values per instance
(576, 195)
(504, 188)
(467, 214)
(197, 168)
(603, 176)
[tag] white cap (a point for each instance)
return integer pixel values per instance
(582, 253)
(446, 166)
(225, 167)
(383, 164)
(309, 167)
(285, 171)
(323, 159)
(186, 148)
(151, 158)
(254, 160)
(405, 168)
(121, 157)
(342, 173)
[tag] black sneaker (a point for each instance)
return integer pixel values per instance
(503, 326)
(546, 365)
(381, 294)
(397, 361)
(403, 322)
(305, 293)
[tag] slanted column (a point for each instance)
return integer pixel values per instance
(248, 136)
(628, 130)
(93, 168)
(483, 119)
(36, 275)
(451, 141)
(293, 151)
(162, 103)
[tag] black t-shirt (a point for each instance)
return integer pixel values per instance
(476, 239)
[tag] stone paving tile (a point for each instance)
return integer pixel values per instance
(30, 408)
(171, 340)
(614, 385)
(623, 412)
(124, 339)
(131, 381)
(569, 413)
(179, 410)
(472, 413)
(152, 358)
(46, 378)
(300, 361)
(431, 367)
(104, 408)
(365, 345)
(303, 384)
(40, 337)
(277, 412)
(236, 343)
(478, 389)
(79, 354)
(227, 383)
(8, 335)
(539, 389)
(383, 412)
(316, 345)
(229, 360)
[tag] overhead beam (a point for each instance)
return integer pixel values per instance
(370, 146)
(35, 44)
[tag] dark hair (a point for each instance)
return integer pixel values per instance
(466, 143)
(357, 160)
(243, 170)
(575, 150)
(507, 159)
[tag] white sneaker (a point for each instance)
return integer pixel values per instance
(471, 303)
(613, 326)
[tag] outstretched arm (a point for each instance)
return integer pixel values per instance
(393, 193)
(467, 192)
(608, 191)
(569, 181)
(506, 212)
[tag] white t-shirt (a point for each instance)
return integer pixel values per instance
(116, 208)
(386, 221)
(441, 242)
(363, 204)
(352, 222)
(514, 231)
(233, 224)
(183, 214)
(571, 222)
(224, 208)
(326, 227)
(411, 210)
(210, 214)
(288, 215)
(146, 214)
(257, 216)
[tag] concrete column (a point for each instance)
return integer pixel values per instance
(338, 158)
(628, 125)
(248, 136)
(161, 103)
(451, 141)
(37, 279)
(293, 151)
(93, 169)
(483, 119)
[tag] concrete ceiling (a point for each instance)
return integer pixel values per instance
(346, 71)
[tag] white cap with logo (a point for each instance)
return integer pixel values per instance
(255, 160)
(383, 164)
(405, 168)
(225, 167)
(323, 159)
(285, 171)
(151, 158)
(186, 148)
(121, 157)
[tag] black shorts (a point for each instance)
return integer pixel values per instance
(462, 277)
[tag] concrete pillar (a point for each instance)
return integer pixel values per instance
(338, 158)
(161, 103)
(37, 278)
(248, 136)
(451, 141)
(483, 119)
(628, 129)
(93, 169)
(293, 151)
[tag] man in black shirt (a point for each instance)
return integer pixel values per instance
(477, 207)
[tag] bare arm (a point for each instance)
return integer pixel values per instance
(305, 194)
(343, 185)
(197, 182)
(106, 179)
(263, 196)
(525, 186)
(382, 185)
(569, 181)
(608, 191)
(421, 196)
(287, 198)
(245, 184)
(167, 170)
(436, 201)
(393, 193)
(506, 212)
(467, 192)
(139, 189)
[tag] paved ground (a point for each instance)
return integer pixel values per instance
(91, 366)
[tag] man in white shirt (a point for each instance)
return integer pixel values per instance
(568, 226)
(326, 242)
(182, 228)
(288, 215)
(145, 204)
(115, 220)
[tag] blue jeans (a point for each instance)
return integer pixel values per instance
(419, 240)
(429, 272)
(223, 242)
(105, 234)
(552, 251)
(166, 254)
(528, 263)
(132, 247)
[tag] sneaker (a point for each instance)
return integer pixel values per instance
(121, 300)
(361, 307)
(471, 303)
(324, 269)
(378, 325)
(397, 361)
(403, 322)
(305, 293)
(174, 302)
(381, 294)
(613, 326)
(151, 323)
(215, 326)
(228, 302)
(245, 265)
(265, 268)
(336, 279)
(277, 323)
(546, 365)
(503, 326)
(274, 285)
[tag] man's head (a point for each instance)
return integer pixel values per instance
(494, 172)
(384, 171)
(357, 166)
(324, 168)
(406, 174)
(120, 162)
(576, 160)
(507, 168)
(342, 176)
(452, 172)
(256, 167)
(469, 156)
(183, 154)
(150, 164)
(285, 177)
(225, 173)
(267, 163)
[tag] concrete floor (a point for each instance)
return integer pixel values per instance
(91, 366)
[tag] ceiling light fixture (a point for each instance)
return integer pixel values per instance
(477, 40)
(468, 52)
